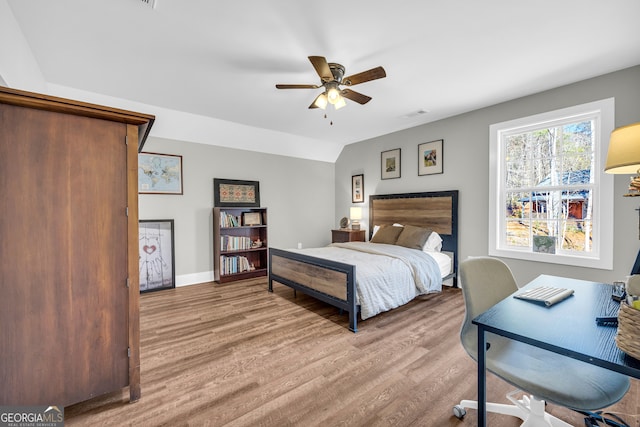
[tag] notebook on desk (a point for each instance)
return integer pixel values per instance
(545, 295)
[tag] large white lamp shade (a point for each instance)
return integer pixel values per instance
(624, 150)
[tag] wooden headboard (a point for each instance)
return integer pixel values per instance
(436, 210)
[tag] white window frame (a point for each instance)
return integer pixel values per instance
(601, 255)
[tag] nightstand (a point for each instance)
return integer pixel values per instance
(347, 235)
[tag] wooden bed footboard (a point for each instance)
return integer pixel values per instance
(329, 281)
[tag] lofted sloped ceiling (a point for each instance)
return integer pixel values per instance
(222, 59)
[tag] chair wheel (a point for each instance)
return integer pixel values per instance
(459, 412)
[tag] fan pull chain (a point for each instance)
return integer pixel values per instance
(331, 122)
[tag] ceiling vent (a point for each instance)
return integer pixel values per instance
(415, 114)
(151, 3)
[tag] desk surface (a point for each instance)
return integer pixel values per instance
(568, 327)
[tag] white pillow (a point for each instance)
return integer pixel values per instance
(433, 243)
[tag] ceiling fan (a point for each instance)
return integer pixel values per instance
(331, 78)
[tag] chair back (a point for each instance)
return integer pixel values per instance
(485, 281)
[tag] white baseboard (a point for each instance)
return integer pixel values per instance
(194, 278)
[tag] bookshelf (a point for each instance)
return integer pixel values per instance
(239, 243)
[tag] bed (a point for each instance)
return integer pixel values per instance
(330, 279)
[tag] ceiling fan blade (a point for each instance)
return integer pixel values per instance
(279, 86)
(322, 68)
(365, 76)
(355, 96)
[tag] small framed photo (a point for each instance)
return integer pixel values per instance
(357, 188)
(430, 158)
(236, 193)
(251, 218)
(159, 173)
(390, 164)
(156, 255)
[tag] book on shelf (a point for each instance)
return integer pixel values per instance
(235, 243)
(227, 220)
(235, 264)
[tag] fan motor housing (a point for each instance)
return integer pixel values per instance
(337, 70)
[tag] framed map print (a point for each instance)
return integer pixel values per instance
(156, 254)
(159, 173)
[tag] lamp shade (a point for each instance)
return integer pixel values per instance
(355, 213)
(321, 101)
(624, 150)
(333, 94)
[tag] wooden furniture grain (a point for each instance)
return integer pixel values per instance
(335, 282)
(69, 308)
(347, 235)
(239, 233)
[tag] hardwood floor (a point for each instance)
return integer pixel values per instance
(237, 355)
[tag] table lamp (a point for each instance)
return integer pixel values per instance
(355, 214)
(623, 156)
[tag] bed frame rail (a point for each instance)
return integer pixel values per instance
(329, 281)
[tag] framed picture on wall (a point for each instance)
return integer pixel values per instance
(357, 188)
(156, 254)
(159, 173)
(390, 164)
(236, 193)
(430, 158)
(251, 218)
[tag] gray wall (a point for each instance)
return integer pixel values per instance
(466, 168)
(299, 196)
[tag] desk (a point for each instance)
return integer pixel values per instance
(567, 328)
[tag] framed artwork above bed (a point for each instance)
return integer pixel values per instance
(390, 164)
(430, 158)
(357, 188)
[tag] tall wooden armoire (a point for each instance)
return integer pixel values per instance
(69, 293)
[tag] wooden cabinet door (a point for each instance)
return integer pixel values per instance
(63, 257)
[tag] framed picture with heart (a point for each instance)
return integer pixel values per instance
(157, 261)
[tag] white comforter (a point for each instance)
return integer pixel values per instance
(387, 276)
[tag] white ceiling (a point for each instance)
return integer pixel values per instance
(223, 59)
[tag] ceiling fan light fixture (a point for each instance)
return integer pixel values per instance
(321, 101)
(331, 78)
(333, 94)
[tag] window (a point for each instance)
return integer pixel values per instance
(550, 199)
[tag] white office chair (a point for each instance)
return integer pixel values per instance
(545, 375)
